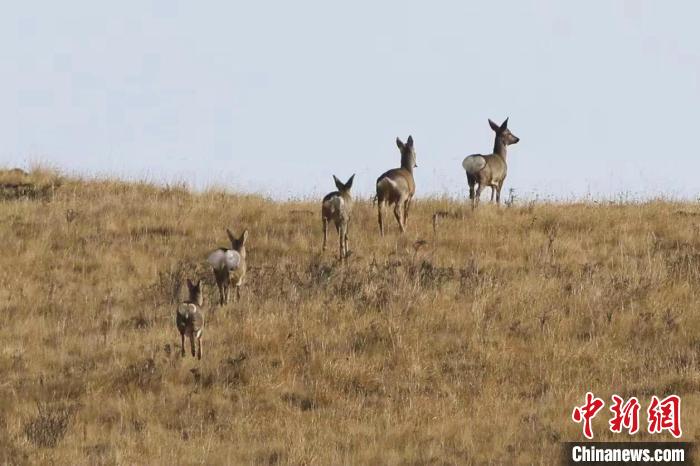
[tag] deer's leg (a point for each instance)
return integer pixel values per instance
(346, 240)
(380, 208)
(199, 346)
(220, 286)
(471, 181)
(182, 344)
(498, 194)
(341, 241)
(406, 206)
(493, 191)
(477, 195)
(325, 232)
(192, 343)
(238, 293)
(398, 213)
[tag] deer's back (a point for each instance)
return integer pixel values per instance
(189, 318)
(336, 207)
(487, 169)
(402, 185)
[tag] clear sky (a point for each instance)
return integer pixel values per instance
(275, 97)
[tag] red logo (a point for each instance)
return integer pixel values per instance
(662, 415)
(625, 415)
(587, 412)
(665, 415)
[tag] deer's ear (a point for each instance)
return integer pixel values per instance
(244, 237)
(231, 237)
(494, 126)
(399, 144)
(338, 184)
(504, 125)
(348, 185)
(409, 141)
(199, 283)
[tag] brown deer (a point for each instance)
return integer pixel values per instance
(229, 265)
(189, 318)
(337, 207)
(490, 170)
(397, 186)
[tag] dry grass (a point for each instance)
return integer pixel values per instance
(471, 348)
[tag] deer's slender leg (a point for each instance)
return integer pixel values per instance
(398, 213)
(199, 346)
(220, 286)
(238, 293)
(192, 343)
(493, 191)
(380, 208)
(498, 194)
(341, 242)
(182, 343)
(406, 206)
(325, 232)
(477, 195)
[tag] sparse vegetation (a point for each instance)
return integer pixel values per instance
(466, 341)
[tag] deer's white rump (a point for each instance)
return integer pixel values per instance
(224, 259)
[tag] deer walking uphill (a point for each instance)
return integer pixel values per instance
(397, 186)
(229, 266)
(490, 170)
(189, 318)
(337, 207)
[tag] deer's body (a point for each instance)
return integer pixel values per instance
(229, 266)
(490, 170)
(397, 187)
(189, 318)
(337, 207)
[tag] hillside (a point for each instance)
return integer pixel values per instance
(474, 346)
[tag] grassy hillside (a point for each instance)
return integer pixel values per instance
(474, 346)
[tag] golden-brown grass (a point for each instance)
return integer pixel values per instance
(471, 348)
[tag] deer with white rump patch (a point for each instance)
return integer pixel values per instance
(490, 170)
(337, 207)
(229, 266)
(189, 318)
(397, 186)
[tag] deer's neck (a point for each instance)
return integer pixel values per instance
(499, 148)
(407, 163)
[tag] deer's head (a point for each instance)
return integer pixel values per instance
(503, 134)
(408, 153)
(238, 244)
(196, 292)
(344, 188)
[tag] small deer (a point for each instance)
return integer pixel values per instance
(189, 319)
(490, 170)
(397, 186)
(229, 265)
(337, 206)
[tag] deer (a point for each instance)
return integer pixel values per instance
(229, 266)
(490, 170)
(397, 186)
(337, 207)
(189, 318)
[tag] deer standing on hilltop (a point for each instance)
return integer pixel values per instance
(337, 206)
(189, 318)
(229, 266)
(490, 170)
(397, 186)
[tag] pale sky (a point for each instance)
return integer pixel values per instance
(275, 97)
